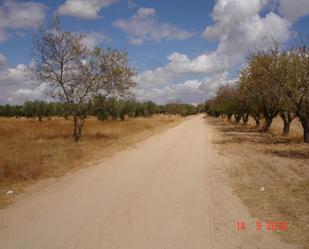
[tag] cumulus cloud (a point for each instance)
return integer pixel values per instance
(94, 39)
(251, 35)
(20, 15)
(2, 59)
(293, 9)
(189, 91)
(86, 9)
(180, 65)
(16, 86)
(238, 28)
(230, 13)
(183, 92)
(145, 26)
(211, 84)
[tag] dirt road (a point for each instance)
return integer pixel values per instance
(169, 191)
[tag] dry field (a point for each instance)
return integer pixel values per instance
(269, 172)
(30, 150)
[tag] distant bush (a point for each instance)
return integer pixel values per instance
(101, 107)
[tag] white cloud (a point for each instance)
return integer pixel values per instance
(86, 9)
(251, 35)
(33, 93)
(211, 84)
(180, 65)
(183, 92)
(189, 91)
(16, 15)
(16, 86)
(238, 27)
(94, 39)
(293, 9)
(230, 13)
(2, 59)
(145, 26)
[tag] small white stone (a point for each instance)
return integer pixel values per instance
(262, 189)
(10, 192)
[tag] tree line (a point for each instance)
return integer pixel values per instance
(101, 107)
(274, 82)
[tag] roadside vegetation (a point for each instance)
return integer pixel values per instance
(263, 135)
(275, 82)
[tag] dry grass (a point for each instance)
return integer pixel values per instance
(31, 150)
(277, 163)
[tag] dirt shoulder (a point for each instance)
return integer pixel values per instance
(270, 174)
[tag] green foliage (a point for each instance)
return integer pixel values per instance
(36, 108)
(182, 109)
(101, 107)
(116, 108)
(10, 110)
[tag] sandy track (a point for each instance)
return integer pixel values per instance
(169, 191)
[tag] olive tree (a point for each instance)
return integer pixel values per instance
(75, 74)
(266, 77)
(252, 100)
(298, 89)
(36, 108)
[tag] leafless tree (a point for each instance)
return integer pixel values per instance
(75, 74)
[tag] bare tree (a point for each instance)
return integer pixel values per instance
(75, 74)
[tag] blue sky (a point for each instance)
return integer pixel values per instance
(183, 49)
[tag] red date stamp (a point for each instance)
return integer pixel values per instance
(268, 226)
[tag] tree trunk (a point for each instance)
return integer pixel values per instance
(287, 118)
(305, 124)
(267, 125)
(257, 119)
(286, 128)
(286, 123)
(237, 118)
(229, 117)
(40, 118)
(78, 126)
(245, 118)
